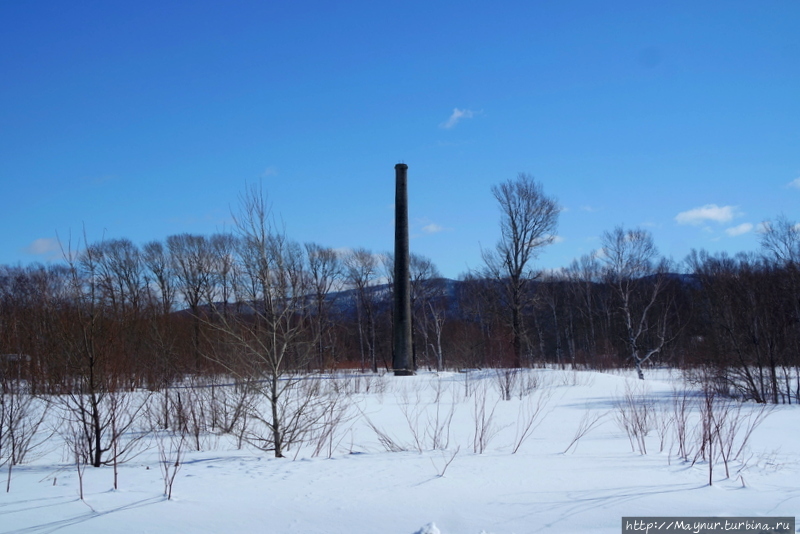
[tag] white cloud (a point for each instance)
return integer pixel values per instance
(269, 171)
(795, 183)
(432, 228)
(457, 115)
(739, 230)
(709, 212)
(766, 226)
(44, 246)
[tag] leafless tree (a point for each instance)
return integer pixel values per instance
(485, 428)
(439, 423)
(584, 275)
(124, 432)
(72, 434)
(530, 416)
(589, 420)
(160, 335)
(752, 312)
(121, 274)
(337, 409)
(447, 459)
(506, 381)
(551, 297)
(640, 281)
(482, 333)
(682, 406)
(192, 264)
(87, 339)
(91, 330)
(781, 239)
(21, 417)
(528, 223)
(325, 273)
(225, 275)
(123, 285)
(189, 411)
(32, 301)
(361, 271)
(159, 274)
(171, 445)
(270, 340)
(428, 308)
(634, 414)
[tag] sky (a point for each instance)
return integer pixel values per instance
(141, 120)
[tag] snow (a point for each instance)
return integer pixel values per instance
(364, 488)
(430, 528)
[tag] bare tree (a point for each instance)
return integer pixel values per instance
(159, 273)
(171, 444)
(223, 266)
(428, 309)
(91, 332)
(361, 268)
(528, 222)
(21, 416)
(530, 416)
(485, 425)
(270, 339)
(781, 239)
(125, 438)
(584, 275)
(639, 280)
(121, 274)
(122, 280)
(325, 273)
(161, 286)
(551, 296)
(589, 420)
(635, 414)
(192, 264)
(87, 338)
(479, 311)
(751, 307)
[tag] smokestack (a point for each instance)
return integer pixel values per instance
(401, 328)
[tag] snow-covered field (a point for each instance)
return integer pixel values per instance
(401, 464)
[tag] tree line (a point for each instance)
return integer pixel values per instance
(253, 304)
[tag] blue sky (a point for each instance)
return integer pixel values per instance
(146, 119)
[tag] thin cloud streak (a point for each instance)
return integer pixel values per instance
(739, 230)
(456, 117)
(709, 212)
(432, 228)
(45, 246)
